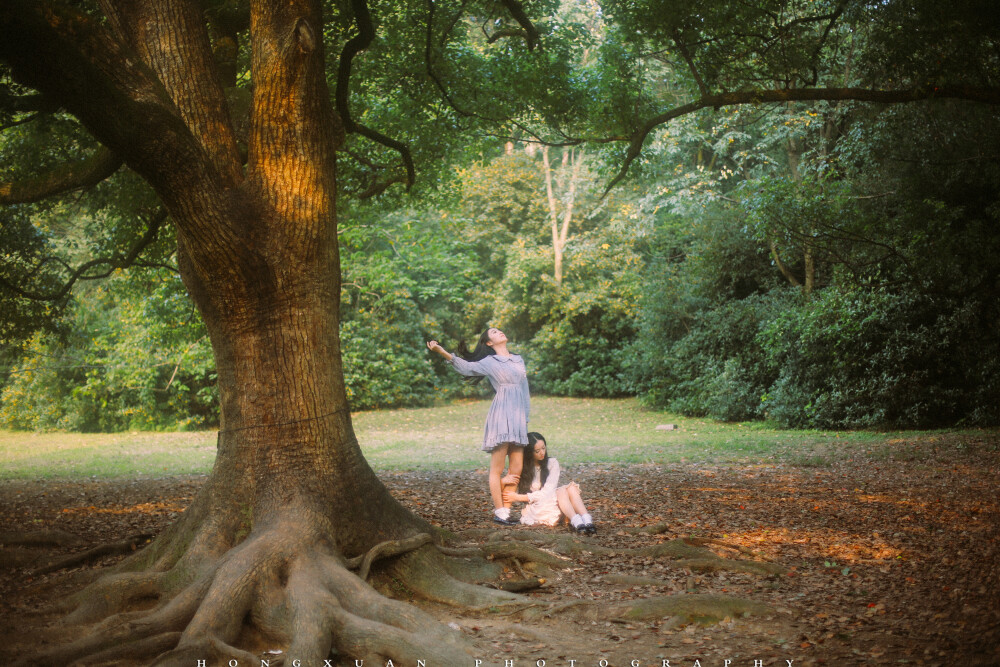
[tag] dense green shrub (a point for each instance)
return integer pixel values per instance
(863, 358)
(717, 368)
(855, 358)
(130, 355)
(385, 363)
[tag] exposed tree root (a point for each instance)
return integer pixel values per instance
(525, 552)
(674, 549)
(701, 541)
(460, 552)
(628, 580)
(525, 631)
(39, 538)
(563, 543)
(386, 550)
(655, 529)
(283, 586)
(520, 585)
(687, 552)
(660, 528)
(726, 565)
(13, 555)
(427, 573)
(110, 595)
(139, 648)
(211, 649)
(474, 534)
(17, 557)
(690, 553)
(113, 549)
(702, 609)
(516, 564)
(472, 569)
(686, 555)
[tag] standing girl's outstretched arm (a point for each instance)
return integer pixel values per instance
(467, 368)
(433, 346)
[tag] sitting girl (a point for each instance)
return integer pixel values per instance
(547, 504)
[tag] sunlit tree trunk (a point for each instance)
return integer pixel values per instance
(290, 495)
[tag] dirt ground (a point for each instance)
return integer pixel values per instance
(894, 560)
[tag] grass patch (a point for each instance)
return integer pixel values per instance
(104, 455)
(449, 437)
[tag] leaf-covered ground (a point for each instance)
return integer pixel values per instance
(890, 561)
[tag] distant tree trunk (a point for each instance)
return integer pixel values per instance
(789, 276)
(794, 151)
(809, 262)
(572, 161)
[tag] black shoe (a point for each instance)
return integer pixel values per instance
(579, 530)
(504, 522)
(589, 528)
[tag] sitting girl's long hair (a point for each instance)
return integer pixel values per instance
(528, 470)
(481, 352)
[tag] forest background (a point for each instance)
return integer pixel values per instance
(829, 264)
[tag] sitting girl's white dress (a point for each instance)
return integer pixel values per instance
(542, 506)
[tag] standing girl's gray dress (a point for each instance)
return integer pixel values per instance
(507, 420)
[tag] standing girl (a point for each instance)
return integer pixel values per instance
(506, 431)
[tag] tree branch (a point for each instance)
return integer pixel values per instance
(64, 178)
(505, 32)
(26, 103)
(517, 11)
(111, 264)
(690, 63)
(171, 36)
(74, 60)
(781, 266)
(20, 121)
(358, 43)
(378, 187)
(970, 93)
(465, 113)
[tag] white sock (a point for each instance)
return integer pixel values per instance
(576, 521)
(586, 518)
(502, 512)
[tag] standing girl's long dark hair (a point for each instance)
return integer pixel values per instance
(481, 352)
(528, 471)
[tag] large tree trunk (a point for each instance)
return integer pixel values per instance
(260, 554)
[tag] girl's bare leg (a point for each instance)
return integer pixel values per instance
(574, 497)
(497, 458)
(565, 505)
(515, 464)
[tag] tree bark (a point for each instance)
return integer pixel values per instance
(290, 496)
